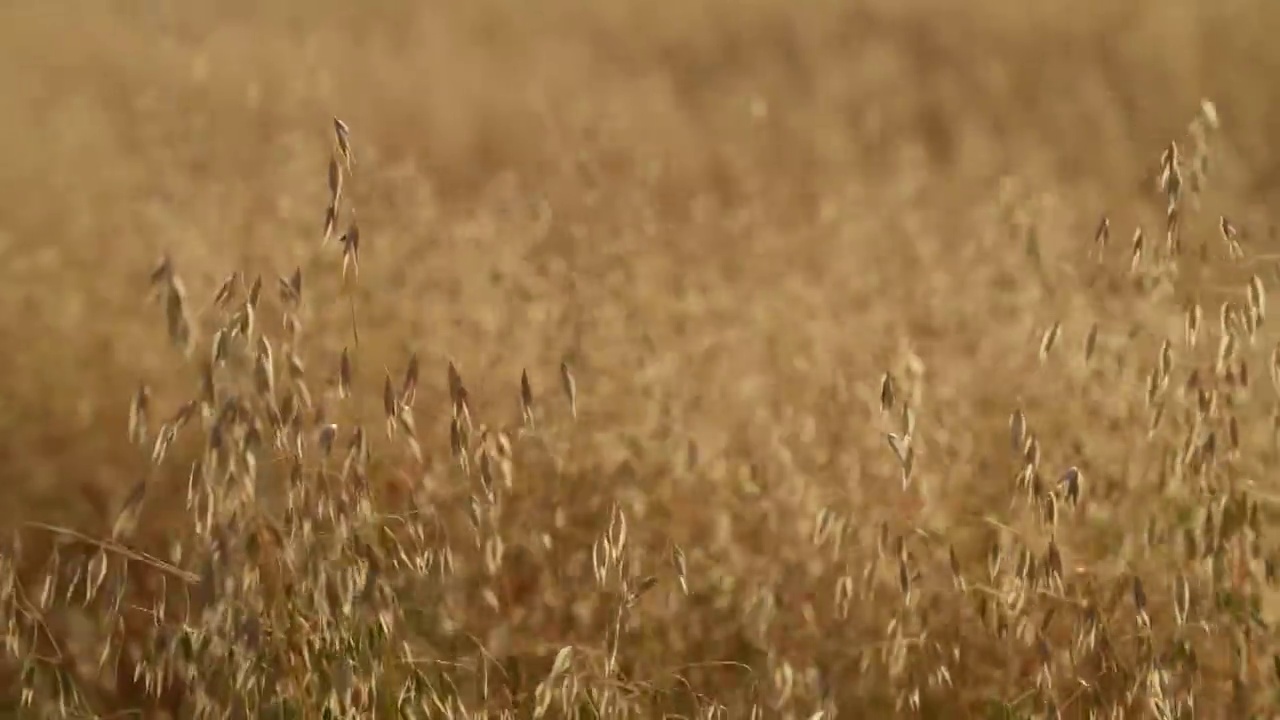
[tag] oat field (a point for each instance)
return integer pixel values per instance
(619, 359)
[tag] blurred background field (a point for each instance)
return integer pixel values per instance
(715, 171)
(731, 217)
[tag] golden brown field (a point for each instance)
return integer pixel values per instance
(839, 399)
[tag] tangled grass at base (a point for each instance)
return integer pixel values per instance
(335, 563)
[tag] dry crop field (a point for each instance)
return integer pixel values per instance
(621, 359)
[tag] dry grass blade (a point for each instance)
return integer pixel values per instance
(117, 549)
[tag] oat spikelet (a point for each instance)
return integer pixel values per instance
(350, 241)
(162, 274)
(127, 519)
(326, 436)
(887, 395)
(570, 388)
(1230, 236)
(526, 399)
(1139, 241)
(645, 585)
(456, 442)
(335, 182)
(1226, 353)
(1226, 318)
(1090, 342)
(1100, 238)
(1226, 228)
(255, 293)
(344, 375)
(1070, 483)
(227, 290)
(905, 453)
(1018, 430)
(1192, 324)
(1048, 339)
(409, 388)
(1171, 173)
(957, 576)
(264, 370)
(291, 289)
(1181, 599)
(165, 281)
(457, 392)
(1140, 601)
(1258, 297)
(390, 409)
(1275, 367)
(139, 410)
(342, 134)
(330, 223)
